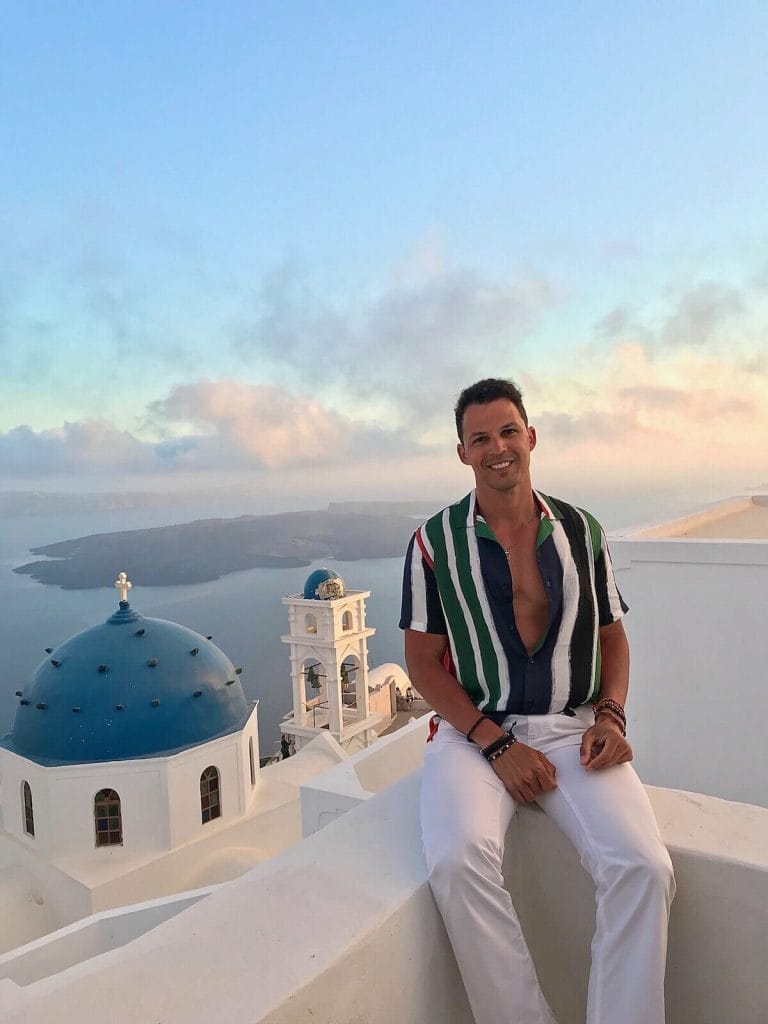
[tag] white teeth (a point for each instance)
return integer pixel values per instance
(502, 465)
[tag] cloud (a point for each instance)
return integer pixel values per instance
(614, 323)
(697, 403)
(569, 429)
(680, 419)
(87, 447)
(270, 428)
(700, 313)
(209, 426)
(407, 345)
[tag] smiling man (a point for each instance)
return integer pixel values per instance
(513, 635)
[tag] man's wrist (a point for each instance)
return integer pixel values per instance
(499, 746)
(486, 733)
(606, 718)
(612, 710)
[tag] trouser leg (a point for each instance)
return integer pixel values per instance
(465, 813)
(607, 816)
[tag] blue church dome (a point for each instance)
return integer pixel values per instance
(131, 687)
(323, 585)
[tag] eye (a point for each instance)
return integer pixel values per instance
(480, 439)
(508, 430)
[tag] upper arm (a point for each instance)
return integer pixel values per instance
(424, 647)
(613, 631)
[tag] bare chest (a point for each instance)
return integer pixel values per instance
(529, 597)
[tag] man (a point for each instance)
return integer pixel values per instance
(513, 636)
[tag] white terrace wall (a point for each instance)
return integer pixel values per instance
(342, 929)
(45, 899)
(698, 631)
(330, 794)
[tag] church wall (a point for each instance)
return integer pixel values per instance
(14, 770)
(142, 805)
(250, 732)
(183, 773)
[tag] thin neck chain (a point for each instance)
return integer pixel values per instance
(519, 526)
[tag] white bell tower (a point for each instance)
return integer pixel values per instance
(328, 642)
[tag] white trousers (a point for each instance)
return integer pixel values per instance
(465, 813)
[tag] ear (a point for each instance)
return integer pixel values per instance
(460, 451)
(532, 437)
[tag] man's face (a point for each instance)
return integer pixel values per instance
(497, 444)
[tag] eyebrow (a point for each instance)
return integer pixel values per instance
(479, 433)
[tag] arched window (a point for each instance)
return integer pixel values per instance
(107, 818)
(346, 621)
(29, 814)
(210, 803)
(310, 623)
(252, 761)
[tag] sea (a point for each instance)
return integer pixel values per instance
(243, 611)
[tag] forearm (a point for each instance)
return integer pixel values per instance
(614, 663)
(443, 693)
(525, 772)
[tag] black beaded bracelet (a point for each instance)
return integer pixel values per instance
(499, 746)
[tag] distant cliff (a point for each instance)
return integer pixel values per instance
(209, 548)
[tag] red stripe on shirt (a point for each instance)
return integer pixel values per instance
(424, 553)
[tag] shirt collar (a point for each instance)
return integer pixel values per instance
(475, 518)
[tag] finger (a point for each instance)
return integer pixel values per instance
(613, 753)
(586, 746)
(594, 749)
(601, 755)
(547, 776)
(551, 768)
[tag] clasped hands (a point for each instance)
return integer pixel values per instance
(527, 772)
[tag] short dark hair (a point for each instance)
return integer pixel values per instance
(485, 391)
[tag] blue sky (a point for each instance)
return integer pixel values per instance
(266, 244)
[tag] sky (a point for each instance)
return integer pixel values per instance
(264, 245)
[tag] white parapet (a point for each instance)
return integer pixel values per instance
(342, 928)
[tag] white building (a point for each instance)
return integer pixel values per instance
(697, 588)
(132, 769)
(341, 928)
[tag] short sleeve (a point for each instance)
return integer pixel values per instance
(611, 606)
(421, 608)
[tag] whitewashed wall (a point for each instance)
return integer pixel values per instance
(342, 929)
(698, 629)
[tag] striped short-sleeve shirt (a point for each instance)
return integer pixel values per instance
(457, 583)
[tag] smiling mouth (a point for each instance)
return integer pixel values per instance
(498, 466)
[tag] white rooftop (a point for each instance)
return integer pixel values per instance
(739, 518)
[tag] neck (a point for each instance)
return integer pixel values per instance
(513, 508)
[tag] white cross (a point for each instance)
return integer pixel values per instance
(123, 584)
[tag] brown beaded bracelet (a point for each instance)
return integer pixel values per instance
(606, 712)
(607, 704)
